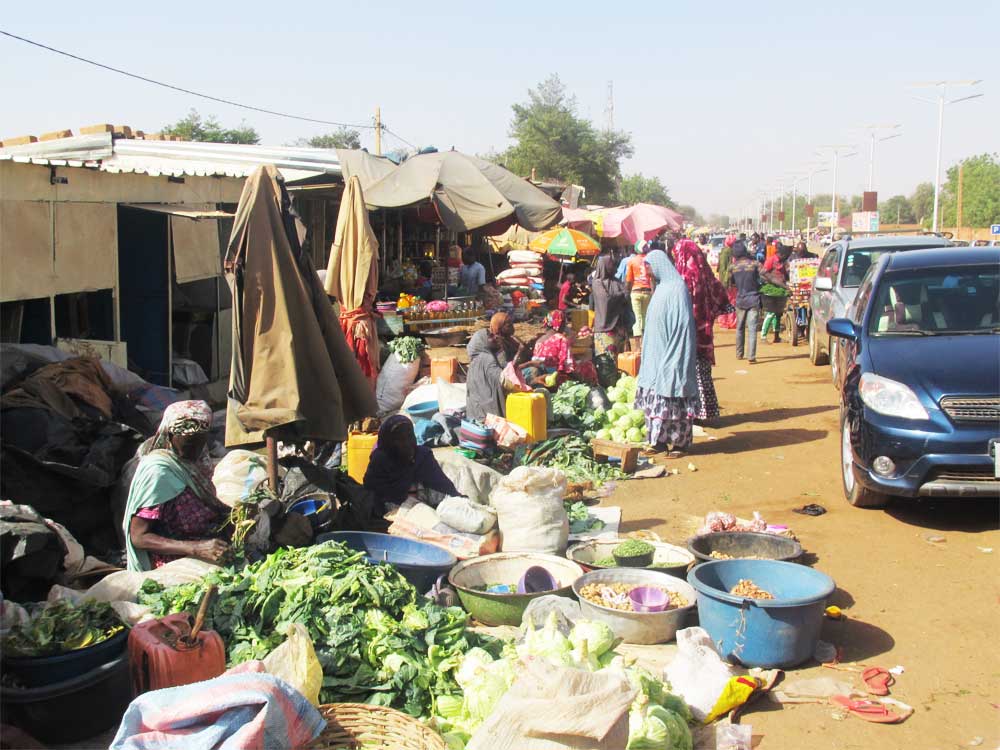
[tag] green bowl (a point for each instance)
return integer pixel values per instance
(469, 577)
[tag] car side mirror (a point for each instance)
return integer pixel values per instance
(823, 283)
(842, 328)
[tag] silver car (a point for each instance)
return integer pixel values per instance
(837, 280)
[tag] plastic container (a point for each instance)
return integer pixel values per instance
(425, 409)
(648, 599)
(628, 362)
(528, 410)
(171, 651)
(71, 710)
(536, 579)
(420, 563)
(319, 513)
(444, 368)
(638, 627)
(742, 544)
(578, 317)
(359, 452)
(48, 670)
(471, 577)
(667, 558)
(769, 633)
(642, 560)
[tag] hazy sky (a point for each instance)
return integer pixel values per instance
(721, 99)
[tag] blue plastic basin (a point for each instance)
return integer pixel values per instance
(780, 632)
(319, 512)
(425, 409)
(419, 562)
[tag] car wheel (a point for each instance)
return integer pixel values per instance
(856, 493)
(815, 355)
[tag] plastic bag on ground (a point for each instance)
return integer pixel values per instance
(295, 662)
(698, 674)
(530, 512)
(451, 397)
(568, 612)
(394, 382)
(506, 433)
(465, 515)
(554, 708)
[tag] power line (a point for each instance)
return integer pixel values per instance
(399, 137)
(184, 90)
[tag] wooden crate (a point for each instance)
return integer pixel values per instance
(627, 453)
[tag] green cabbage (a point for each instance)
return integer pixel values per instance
(598, 636)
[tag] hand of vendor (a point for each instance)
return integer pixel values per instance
(209, 550)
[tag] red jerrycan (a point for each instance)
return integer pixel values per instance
(171, 651)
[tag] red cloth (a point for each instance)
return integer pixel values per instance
(708, 296)
(359, 328)
(775, 265)
(728, 320)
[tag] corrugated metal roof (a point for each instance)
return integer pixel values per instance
(174, 158)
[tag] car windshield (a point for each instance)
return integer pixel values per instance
(954, 300)
(858, 261)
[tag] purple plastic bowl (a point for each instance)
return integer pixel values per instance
(535, 580)
(649, 599)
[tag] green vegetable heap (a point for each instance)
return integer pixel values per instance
(59, 627)
(622, 423)
(406, 348)
(658, 720)
(580, 520)
(633, 548)
(572, 455)
(376, 642)
(773, 290)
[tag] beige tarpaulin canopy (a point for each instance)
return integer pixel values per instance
(352, 277)
(365, 166)
(515, 238)
(293, 374)
(467, 192)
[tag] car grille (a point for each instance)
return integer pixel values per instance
(979, 409)
(970, 474)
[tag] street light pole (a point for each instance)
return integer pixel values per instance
(781, 211)
(873, 139)
(942, 87)
(836, 150)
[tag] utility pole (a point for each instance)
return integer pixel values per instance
(781, 210)
(378, 131)
(873, 138)
(609, 108)
(809, 195)
(961, 175)
(837, 150)
(941, 101)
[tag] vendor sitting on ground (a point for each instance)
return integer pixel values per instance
(399, 467)
(490, 350)
(172, 510)
(554, 349)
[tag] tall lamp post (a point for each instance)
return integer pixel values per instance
(813, 169)
(873, 138)
(941, 100)
(837, 150)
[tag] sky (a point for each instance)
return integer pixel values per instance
(722, 99)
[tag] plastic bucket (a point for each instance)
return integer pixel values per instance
(318, 511)
(780, 632)
(39, 671)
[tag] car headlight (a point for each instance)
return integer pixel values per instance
(890, 398)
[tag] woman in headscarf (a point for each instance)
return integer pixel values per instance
(728, 320)
(399, 467)
(708, 300)
(172, 510)
(668, 383)
(554, 349)
(609, 300)
(490, 350)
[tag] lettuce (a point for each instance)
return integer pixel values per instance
(598, 636)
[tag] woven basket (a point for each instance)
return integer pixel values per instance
(351, 726)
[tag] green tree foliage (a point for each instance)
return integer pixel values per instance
(690, 213)
(980, 193)
(194, 127)
(342, 137)
(551, 138)
(896, 210)
(636, 188)
(922, 203)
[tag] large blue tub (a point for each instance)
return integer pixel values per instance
(780, 632)
(419, 562)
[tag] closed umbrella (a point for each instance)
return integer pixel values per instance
(352, 277)
(293, 375)
(466, 191)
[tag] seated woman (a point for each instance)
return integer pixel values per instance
(399, 467)
(554, 349)
(490, 350)
(172, 510)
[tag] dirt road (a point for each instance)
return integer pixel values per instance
(931, 607)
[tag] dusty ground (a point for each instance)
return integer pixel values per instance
(930, 607)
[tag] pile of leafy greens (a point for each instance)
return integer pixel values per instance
(60, 626)
(572, 455)
(378, 643)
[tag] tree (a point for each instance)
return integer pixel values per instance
(195, 128)
(719, 220)
(636, 188)
(896, 210)
(980, 192)
(690, 213)
(551, 139)
(342, 137)
(922, 203)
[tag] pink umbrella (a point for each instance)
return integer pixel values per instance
(643, 221)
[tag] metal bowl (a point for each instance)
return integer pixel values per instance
(668, 558)
(452, 336)
(469, 578)
(637, 627)
(743, 544)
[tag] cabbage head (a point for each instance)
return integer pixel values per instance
(599, 637)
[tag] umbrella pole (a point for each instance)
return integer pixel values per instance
(272, 464)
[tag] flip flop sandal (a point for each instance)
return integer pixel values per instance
(873, 711)
(877, 680)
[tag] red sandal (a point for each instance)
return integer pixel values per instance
(877, 680)
(873, 711)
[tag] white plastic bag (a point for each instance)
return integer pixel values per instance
(698, 674)
(394, 381)
(530, 512)
(463, 514)
(237, 474)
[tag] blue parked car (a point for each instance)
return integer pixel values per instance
(919, 375)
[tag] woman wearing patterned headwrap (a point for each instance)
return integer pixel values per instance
(172, 510)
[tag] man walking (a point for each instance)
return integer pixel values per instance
(745, 277)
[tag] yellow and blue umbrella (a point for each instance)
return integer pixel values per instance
(566, 242)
